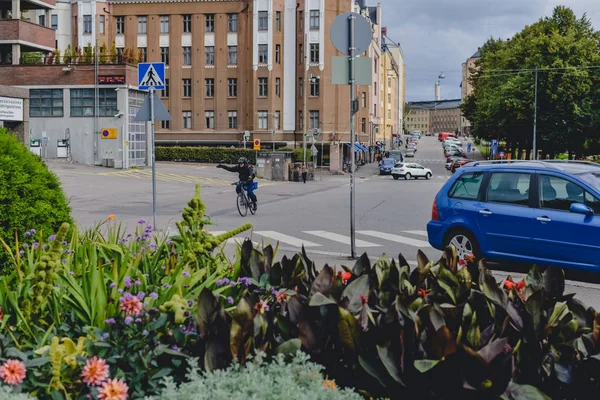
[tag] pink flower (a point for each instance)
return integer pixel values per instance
(113, 389)
(13, 372)
(95, 371)
(130, 304)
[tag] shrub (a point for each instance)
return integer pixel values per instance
(204, 154)
(30, 195)
(296, 380)
(7, 393)
(297, 154)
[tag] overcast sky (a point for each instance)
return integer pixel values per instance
(439, 35)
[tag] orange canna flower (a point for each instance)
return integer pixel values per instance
(509, 285)
(113, 389)
(95, 371)
(346, 277)
(13, 372)
(111, 217)
(329, 384)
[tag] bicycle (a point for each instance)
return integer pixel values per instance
(243, 202)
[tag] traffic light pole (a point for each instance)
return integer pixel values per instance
(352, 140)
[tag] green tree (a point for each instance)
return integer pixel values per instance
(563, 48)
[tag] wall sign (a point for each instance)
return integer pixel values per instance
(11, 109)
(111, 79)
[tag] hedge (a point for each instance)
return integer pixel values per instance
(204, 154)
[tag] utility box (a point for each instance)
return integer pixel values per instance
(273, 166)
(62, 148)
(35, 145)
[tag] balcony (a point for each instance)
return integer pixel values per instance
(32, 37)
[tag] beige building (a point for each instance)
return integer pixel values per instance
(466, 87)
(390, 81)
(434, 116)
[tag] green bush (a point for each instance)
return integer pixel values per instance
(7, 393)
(30, 195)
(297, 380)
(204, 154)
(297, 155)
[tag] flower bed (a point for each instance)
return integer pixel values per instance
(110, 315)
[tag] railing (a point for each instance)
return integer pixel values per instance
(53, 59)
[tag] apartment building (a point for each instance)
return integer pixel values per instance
(417, 119)
(390, 79)
(435, 116)
(466, 86)
(398, 55)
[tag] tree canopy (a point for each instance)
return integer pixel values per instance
(565, 50)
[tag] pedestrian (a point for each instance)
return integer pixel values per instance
(304, 173)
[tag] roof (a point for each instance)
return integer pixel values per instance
(434, 105)
(570, 166)
(477, 54)
(373, 14)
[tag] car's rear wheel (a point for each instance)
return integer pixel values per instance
(428, 175)
(407, 176)
(465, 243)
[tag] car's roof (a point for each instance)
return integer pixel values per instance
(389, 159)
(569, 166)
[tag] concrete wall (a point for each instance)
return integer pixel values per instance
(20, 127)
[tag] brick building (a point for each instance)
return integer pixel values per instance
(434, 116)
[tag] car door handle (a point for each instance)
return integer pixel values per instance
(485, 212)
(544, 219)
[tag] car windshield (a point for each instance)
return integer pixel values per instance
(399, 165)
(593, 178)
(388, 162)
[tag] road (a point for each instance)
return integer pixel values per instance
(391, 215)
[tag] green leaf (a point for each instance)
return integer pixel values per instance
(490, 351)
(448, 281)
(515, 391)
(319, 299)
(37, 362)
(387, 358)
(242, 331)
(159, 323)
(559, 312)
(490, 289)
(363, 264)
(161, 373)
(13, 352)
(289, 348)
(354, 290)
(425, 365)
(323, 282)
(208, 308)
(348, 329)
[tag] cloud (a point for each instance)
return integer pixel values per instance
(439, 35)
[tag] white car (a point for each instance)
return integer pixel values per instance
(410, 170)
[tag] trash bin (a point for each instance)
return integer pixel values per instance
(35, 145)
(61, 148)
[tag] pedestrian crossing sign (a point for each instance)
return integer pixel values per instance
(151, 75)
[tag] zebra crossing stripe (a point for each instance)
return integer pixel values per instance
(395, 238)
(280, 237)
(420, 233)
(341, 238)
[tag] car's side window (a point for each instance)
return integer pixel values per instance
(509, 188)
(592, 202)
(466, 186)
(558, 193)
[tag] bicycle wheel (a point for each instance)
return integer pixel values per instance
(242, 204)
(251, 207)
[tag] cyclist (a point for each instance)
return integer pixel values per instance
(246, 177)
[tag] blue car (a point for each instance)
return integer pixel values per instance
(533, 212)
(386, 165)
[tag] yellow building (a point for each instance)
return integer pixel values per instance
(390, 85)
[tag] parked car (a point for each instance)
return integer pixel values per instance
(409, 152)
(444, 135)
(534, 212)
(386, 165)
(450, 160)
(427, 133)
(396, 155)
(452, 141)
(455, 152)
(410, 170)
(459, 163)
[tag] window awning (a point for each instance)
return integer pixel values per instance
(358, 147)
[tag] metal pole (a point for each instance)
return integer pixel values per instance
(534, 155)
(153, 157)
(96, 89)
(305, 112)
(352, 139)
(273, 139)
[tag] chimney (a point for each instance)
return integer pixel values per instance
(384, 31)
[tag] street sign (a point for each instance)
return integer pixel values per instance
(494, 147)
(108, 133)
(151, 75)
(363, 70)
(160, 112)
(501, 154)
(469, 147)
(256, 144)
(340, 33)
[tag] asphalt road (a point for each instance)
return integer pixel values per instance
(391, 215)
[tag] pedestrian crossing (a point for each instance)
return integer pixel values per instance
(167, 177)
(324, 239)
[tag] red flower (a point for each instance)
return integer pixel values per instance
(422, 292)
(346, 277)
(521, 285)
(509, 285)
(364, 299)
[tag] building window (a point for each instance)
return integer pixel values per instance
(210, 55)
(263, 117)
(165, 125)
(210, 87)
(263, 21)
(46, 103)
(300, 53)
(314, 53)
(263, 87)
(389, 114)
(187, 23)
(278, 54)
(120, 23)
(142, 25)
(142, 54)
(389, 98)
(231, 87)
(187, 120)
(82, 102)
(363, 99)
(263, 53)
(54, 21)
(87, 23)
(276, 116)
(314, 87)
(209, 116)
(165, 91)
(300, 87)
(301, 20)
(42, 20)
(210, 22)
(102, 25)
(232, 22)
(389, 82)
(278, 87)
(313, 119)
(232, 55)
(278, 20)
(187, 87)
(300, 119)
(363, 125)
(164, 24)
(314, 19)
(187, 55)
(164, 55)
(232, 119)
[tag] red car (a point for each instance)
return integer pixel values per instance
(459, 163)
